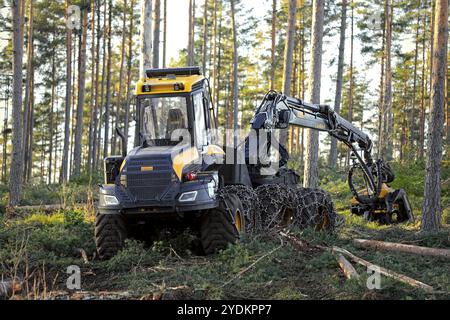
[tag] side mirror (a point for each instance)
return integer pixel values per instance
(124, 142)
(284, 117)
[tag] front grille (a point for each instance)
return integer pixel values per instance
(149, 185)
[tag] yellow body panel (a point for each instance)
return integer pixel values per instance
(214, 150)
(183, 159)
(166, 85)
(385, 191)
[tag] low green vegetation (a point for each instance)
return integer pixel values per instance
(38, 248)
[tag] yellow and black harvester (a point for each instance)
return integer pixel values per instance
(176, 174)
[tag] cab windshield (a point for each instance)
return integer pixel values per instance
(162, 117)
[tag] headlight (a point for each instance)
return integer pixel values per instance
(110, 201)
(188, 196)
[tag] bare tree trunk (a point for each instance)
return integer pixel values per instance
(95, 142)
(119, 102)
(205, 36)
(102, 94)
(15, 182)
(387, 102)
(274, 44)
(191, 39)
(216, 7)
(219, 65)
(81, 93)
(90, 159)
(65, 158)
(288, 59)
(381, 141)
(51, 119)
(340, 75)
(156, 34)
(432, 209)
(421, 152)
(310, 179)
(235, 71)
(27, 103)
(165, 36)
(130, 66)
(146, 37)
(108, 85)
(350, 89)
(412, 120)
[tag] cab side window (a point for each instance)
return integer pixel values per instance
(201, 138)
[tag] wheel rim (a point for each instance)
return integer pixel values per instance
(238, 222)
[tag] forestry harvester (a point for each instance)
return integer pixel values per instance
(178, 175)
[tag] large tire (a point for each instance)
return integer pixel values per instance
(277, 204)
(110, 234)
(224, 225)
(248, 198)
(315, 210)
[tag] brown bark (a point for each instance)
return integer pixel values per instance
(347, 268)
(205, 36)
(108, 85)
(312, 136)
(156, 33)
(165, 36)
(432, 208)
(340, 75)
(81, 93)
(398, 247)
(16, 173)
(191, 35)
(65, 158)
(274, 43)
(351, 85)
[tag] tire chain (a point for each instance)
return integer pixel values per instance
(275, 206)
(249, 200)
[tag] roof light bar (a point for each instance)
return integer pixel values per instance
(188, 71)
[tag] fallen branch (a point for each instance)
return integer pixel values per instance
(252, 265)
(297, 243)
(347, 268)
(84, 256)
(388, 273)
(397, 247)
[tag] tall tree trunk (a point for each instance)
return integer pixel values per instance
(81, 93)
(387, 131)
(119, 102)
(108, 84)
(412, 120)
(51, 119)
(16, 173)
(340, 75)
(90, 159)
(65, 158)
(156, 34)
(205, 36)
(381, 141)
(214, 89)
(27, 103)
(129, 74)
(102, 91)
(350, 88)
(274, 45)
(432, 209)
(165, 36)
(191, 39)
(288, 59)
(235, 71)
(95, 142)
(145, 37)
(421, 151)
(310, 179)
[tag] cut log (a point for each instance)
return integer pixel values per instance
(397, 247)
(384, 271)
(347, 268)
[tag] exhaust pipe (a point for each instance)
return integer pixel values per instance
(124, 142)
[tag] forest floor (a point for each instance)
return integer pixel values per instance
(39, 247)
